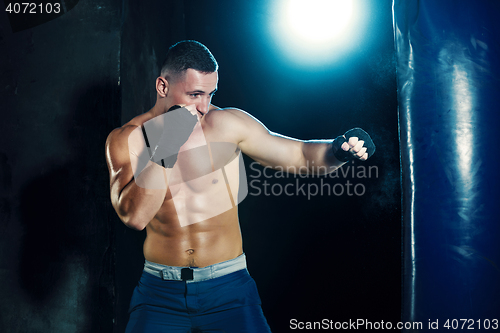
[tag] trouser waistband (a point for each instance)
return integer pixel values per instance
(194, 274)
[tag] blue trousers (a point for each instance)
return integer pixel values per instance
(229, 303)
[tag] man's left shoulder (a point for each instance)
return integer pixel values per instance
(224, 117)
(228, 123)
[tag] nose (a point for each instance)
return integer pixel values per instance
(203, 105)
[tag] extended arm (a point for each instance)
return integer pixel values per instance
(275, 150)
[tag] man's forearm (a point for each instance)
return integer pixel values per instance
(318, 155)
(141, 199)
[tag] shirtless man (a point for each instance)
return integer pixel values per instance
(195, 275)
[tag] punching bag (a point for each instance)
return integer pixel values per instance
(448, 70)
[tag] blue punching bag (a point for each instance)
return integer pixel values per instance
(448, 67)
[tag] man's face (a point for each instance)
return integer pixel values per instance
(194, 88)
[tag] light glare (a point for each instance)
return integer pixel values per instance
(317, 21)
(313, 31)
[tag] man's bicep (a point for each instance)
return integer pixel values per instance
(119, 164)
(269, 148)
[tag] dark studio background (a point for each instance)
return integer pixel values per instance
(67, 264)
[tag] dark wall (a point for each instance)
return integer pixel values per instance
(59, 100)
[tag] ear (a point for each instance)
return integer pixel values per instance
(162, 86)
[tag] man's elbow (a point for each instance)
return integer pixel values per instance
(134, 222)
(135, 225)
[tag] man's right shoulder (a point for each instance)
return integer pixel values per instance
(120, 134)
(126, 129)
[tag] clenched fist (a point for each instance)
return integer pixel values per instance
(354, 144)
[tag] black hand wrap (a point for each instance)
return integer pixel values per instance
(177, 128)
(345, 156)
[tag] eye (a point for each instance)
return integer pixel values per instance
(194, 95)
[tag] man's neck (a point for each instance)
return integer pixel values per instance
(157, 110)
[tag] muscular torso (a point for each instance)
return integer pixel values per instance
(197, 224)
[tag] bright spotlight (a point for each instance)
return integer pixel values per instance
(310, 30)
(317, 21)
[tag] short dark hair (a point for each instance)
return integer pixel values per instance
(188, 54)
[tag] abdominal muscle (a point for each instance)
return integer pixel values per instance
(197, 224)
(197, 245)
